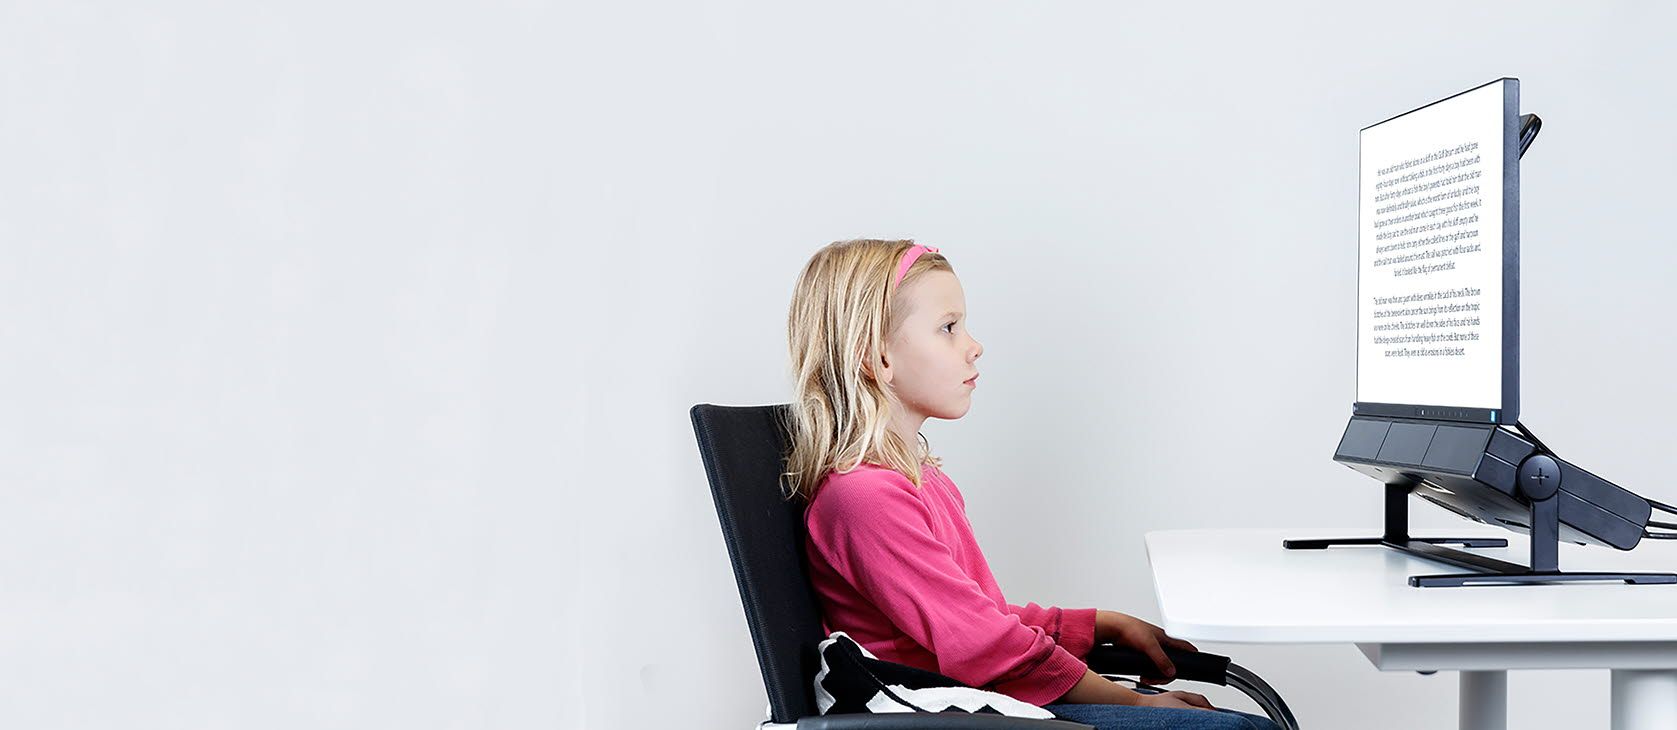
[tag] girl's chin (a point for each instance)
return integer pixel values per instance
(954, 411)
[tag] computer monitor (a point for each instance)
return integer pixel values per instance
(1438, 352)
(1438, 284)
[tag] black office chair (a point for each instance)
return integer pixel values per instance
(744, 448)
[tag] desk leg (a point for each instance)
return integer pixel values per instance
(1644, 698)
(1484, 701)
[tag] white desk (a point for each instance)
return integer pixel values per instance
(1241, 586)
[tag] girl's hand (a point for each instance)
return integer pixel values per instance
(1126, 630)
(1177, 699)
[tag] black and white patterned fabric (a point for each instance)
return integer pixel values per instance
(853, 681)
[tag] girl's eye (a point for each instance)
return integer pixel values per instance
(947, 327)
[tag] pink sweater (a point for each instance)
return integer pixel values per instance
(898, 569)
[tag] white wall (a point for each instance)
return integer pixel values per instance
(347, 349)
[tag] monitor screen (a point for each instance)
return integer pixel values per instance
(1438, 260)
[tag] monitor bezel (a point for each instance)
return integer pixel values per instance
(1509, 412)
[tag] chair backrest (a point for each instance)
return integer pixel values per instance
(744, 450)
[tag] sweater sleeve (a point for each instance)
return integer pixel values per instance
(877, 535)
(1072, 628)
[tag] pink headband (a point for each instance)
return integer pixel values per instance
(909, 256)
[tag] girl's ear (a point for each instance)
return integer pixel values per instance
(883, 377)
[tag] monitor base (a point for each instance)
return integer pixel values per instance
(1458, 580)
(1545, 549)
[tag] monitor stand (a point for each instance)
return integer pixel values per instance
(1545, 546)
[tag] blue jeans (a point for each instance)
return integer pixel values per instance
(1125, 717)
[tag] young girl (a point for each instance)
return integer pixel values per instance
(879, 344)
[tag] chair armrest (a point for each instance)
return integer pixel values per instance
(1192, 666)
(933, 721)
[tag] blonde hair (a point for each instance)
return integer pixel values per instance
(844, 307)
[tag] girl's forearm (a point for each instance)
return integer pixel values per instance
(1093, 689)
(1106, 625)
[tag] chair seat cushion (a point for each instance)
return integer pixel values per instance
(851, 680)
